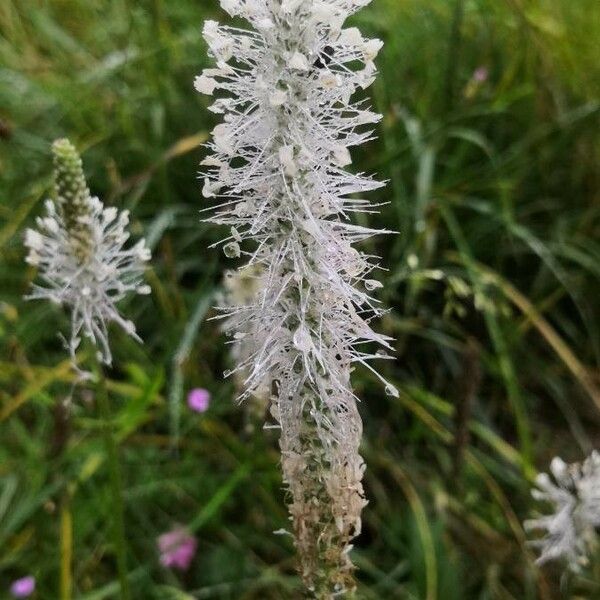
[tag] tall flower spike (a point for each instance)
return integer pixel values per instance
(79, 249)
(278, 162)
(570, 531)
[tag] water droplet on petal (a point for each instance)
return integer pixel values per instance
(302, 340)
(232, 250)
(391, 390)
(373, 284)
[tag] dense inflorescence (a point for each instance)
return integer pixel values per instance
(570, 531)
(278, 163)
(79, 249)
(240, 287)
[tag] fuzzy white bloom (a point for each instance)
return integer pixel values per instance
(278, 163)
(570, 531)
(79, 250)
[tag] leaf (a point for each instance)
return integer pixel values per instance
(210, 509)
(568, 357)
(33, 388)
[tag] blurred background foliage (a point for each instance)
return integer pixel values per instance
(490, 142)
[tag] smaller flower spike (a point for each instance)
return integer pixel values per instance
(79, 248)
(569, 532)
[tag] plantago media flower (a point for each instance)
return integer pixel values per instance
(570, 530)
(79, 249)
(279, 162)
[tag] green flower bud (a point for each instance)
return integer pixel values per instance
(72, 196)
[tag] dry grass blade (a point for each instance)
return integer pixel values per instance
(36, 386)
(492, 485)
(562, 349)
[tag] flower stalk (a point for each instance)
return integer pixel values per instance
(279, 165)
(84, 265)
(117, 512)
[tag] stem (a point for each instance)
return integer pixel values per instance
(596, 571)
(454, 51)
(66, 548)
(468, 387)
(506, 366)
(116, 483)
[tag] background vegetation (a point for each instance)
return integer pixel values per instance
(490, 144)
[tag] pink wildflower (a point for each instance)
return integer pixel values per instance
(481, 74)
(199, 400)
(177, 549)
(23, 588)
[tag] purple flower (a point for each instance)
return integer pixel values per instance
(481, 74)
(198, 400)
(23, 588)
(177, 549)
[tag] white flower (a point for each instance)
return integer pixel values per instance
(569, 532)
(279, 156)
(79, 249)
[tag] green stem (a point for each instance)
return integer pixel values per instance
(116, 483)
(66, 547)
(454, 52)
(506, 366)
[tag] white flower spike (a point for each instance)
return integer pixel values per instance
(570, 531)
(278, 161)
(79, 249)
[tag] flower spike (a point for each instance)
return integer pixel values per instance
(279, 165)
(79, 249)
(570, 530)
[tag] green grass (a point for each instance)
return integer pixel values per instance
(493, 187)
